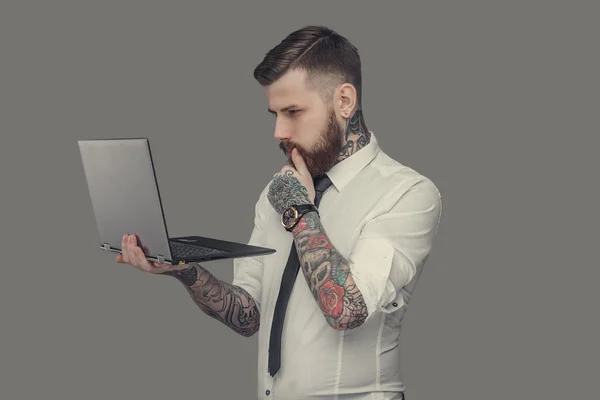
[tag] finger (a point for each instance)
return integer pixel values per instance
(131, 245)
(285, 167)
(138, 257)
(124, 248)
(299, 162)
(143, 261)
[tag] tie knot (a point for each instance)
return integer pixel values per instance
(322, 183)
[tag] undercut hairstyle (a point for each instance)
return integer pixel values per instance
(328, 59)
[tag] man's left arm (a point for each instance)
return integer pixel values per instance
(328, 275)
(394, 242)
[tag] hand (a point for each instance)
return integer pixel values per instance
(134, 256)
(292, 186)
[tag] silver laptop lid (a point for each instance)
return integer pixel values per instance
(124, 194)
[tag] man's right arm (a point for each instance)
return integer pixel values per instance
(237, 305)
(232, 305)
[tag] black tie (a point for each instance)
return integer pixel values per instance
(287, 283)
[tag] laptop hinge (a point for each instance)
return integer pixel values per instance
(161, 258)
(106, 246)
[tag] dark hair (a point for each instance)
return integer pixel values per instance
(328, 58)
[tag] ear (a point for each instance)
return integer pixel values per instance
(347, 99)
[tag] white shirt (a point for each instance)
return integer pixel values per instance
(382, 217)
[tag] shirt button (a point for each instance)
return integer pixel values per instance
(395, 304)
(268, 392)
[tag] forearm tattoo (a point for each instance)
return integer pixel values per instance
(328, 275)
(188, 277)
(229, 304)
(286, 190)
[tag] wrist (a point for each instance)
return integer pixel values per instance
(293, 215)
(306, 219)
(186, 276)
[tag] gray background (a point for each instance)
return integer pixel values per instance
(496, 102)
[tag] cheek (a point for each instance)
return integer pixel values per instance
(312, 131)
(306, 130)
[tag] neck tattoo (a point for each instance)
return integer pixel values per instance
(357, 135)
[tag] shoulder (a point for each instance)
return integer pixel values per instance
(396, 179)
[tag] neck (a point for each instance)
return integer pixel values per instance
(357, 135)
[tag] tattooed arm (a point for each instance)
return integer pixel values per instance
(328, 275)
(325, 270)
(227, 303)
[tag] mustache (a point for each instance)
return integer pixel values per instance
(285, 145)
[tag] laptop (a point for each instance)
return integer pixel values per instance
(124, 192)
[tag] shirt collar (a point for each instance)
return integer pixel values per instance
(343, 172)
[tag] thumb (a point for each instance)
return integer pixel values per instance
(299, 162)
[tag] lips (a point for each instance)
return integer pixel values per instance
(287, 148)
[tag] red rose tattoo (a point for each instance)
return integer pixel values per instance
(331, 298)
(319, 241)
(328, 275)
(300, 226)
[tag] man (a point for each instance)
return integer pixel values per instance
(360, 252)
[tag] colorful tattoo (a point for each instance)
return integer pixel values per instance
(286, 190)
(328, 275)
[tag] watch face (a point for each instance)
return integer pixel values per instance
(289, 216)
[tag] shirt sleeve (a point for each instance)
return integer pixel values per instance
(394, 244)
(248, 271)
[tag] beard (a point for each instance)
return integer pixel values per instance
(325, 153)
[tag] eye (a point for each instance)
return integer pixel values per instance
(293, 112)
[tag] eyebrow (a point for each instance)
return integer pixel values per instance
(284, 109)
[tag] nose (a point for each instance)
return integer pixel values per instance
(281, 131)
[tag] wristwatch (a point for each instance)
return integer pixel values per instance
(292, 214)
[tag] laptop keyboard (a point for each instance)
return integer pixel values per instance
(185, 250)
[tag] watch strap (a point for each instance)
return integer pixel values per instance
(302, 210)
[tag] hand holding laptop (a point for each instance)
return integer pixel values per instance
(134, 256)
(125, 198)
